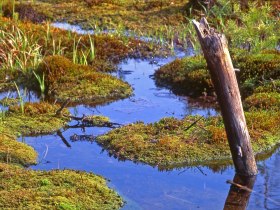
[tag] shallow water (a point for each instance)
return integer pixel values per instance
(142, 186)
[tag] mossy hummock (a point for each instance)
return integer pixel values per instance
(34, 119)
(190, 76)
(56, 189)
(12, 151)
(80, 84)
(59, 189)
(171, 142)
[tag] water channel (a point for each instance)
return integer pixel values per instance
(142, 186)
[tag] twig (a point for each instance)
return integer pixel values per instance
(251, 191)
(201, 171)
(239, 186)
(63, 139)
(191, 125)
(65, 103)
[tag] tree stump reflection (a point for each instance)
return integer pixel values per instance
(239, 193)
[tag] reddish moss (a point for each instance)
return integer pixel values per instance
(35, 109)
(263, 101)
(168, 143)
(188, 76)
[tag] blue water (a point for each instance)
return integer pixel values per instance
(142, 186)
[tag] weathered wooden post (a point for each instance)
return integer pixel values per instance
(215, 50)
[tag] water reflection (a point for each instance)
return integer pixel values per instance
(239, 193)
(142, 186)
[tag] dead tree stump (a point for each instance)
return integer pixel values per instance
(215, 50)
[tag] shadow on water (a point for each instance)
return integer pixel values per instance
(144, 186)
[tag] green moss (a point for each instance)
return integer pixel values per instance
(8, 101)
(65, 80)
(65, 189)
(168, 143)
(265, 100)
(21, 188)
(265, 65)
(268, 86)
(96, 120)
(135, 15)
(5, 86)
(12, 151)
(188, 76)
(38, 118)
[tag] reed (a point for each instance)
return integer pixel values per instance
(41, 82)
(21, 98)
(92, 49)
(75, 54)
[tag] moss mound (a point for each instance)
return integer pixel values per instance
(172, 142)
(265, 100)
(66, 189)
(190, 75)
(169, 143)
(12, 151)
(31, 119)
(185, 76)
(28, 189)
(34, 119)
(65, 80)
(264, 65)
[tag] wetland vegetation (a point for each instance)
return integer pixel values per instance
(64, 68)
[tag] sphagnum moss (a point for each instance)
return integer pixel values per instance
(80, 83)
(190, 75)
(38, 118)
(56, 189)
(169, 143)
(12, 151)
(27, 189)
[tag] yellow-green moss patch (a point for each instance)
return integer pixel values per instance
(64, 189)
(134, 15)
(265, 100)
(12, 151)
(190, 75)
(171, 142)
(186, 76)
(37, 118)
(65, 80)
